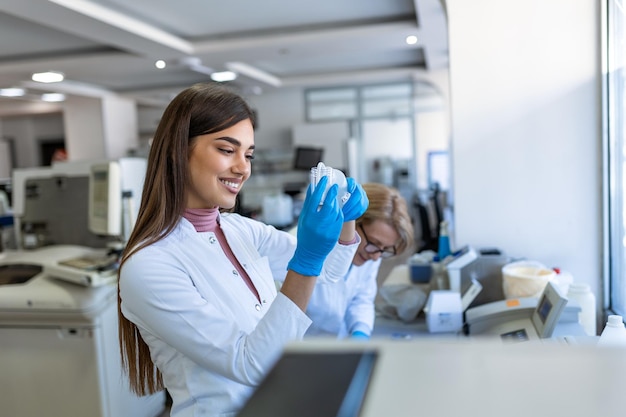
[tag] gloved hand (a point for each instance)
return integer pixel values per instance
(359, 335)
(318, 230)
(357, 203)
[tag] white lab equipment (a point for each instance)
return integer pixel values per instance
(444, 311)
(278, 210)
(483, 265)
(72, 203)
(587, 301)
(520, 319)
(91, 204)
(467, 256)
(614, 333)
(114, 194)
(59, 352)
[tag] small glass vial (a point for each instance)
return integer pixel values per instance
(582, 294)
(614, 333)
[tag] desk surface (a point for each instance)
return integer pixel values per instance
(480, 378)
(386, 327)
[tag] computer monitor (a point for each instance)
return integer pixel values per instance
(114, 194)
(105, 199)
(307, 157)
(312, 384)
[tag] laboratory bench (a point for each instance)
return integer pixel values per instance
(388, 325)
(441, 377)
(403, 370)
(567, 328)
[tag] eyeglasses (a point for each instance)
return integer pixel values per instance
(386, 252)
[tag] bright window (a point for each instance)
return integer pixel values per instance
(615, 157)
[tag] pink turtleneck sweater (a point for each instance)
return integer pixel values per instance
(206, 220)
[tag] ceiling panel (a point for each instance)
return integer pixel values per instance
(112, 45)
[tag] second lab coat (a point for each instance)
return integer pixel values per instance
(346, 306)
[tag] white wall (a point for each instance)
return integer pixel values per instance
(121, 125)
(331, 136)
(100, 127)
(278, 110)
(84, 128)
(526, 129)
(431, 132)
(6, 165)
(26, 131)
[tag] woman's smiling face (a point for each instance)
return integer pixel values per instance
(219, 164)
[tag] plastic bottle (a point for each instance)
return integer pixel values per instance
(439, 279)
(614, 333)
(582, 294)
(444, 241)
(335, 176)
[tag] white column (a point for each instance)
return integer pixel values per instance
(100, 127)
(526, 129)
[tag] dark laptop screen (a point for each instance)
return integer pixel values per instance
(313, 385)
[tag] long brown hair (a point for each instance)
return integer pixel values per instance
(198, 110)
(388, 205)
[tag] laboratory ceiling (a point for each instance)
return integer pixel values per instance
(105, 46)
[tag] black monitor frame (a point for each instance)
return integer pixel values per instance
(307, 157)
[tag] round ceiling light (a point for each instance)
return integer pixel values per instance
(48, 77)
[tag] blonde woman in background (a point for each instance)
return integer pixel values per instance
(346, 308)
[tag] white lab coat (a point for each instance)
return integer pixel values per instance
(207, 332)
(346, 306)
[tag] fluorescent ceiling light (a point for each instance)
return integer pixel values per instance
(254, 73)
(53, 97)
(12, 92)
(48, 77)
(102, 14)
(223, 76)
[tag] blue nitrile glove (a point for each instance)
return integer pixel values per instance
(318, 230)
(357, 203)
(359, 335)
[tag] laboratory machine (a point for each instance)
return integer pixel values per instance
(86, 203)
(524, 318)
(92, 204)
(59, 352)
(59, 349)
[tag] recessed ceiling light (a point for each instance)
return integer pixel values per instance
(223, 76)
(48, 77)
(160, 64)
(411, 40)
(53, 97)
(12, 92)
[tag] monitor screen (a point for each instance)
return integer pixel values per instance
(313, 384)
(105, 199)
(307, 158)
(544, 308)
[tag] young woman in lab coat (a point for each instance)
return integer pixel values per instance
(347, 308)
(198, 309)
